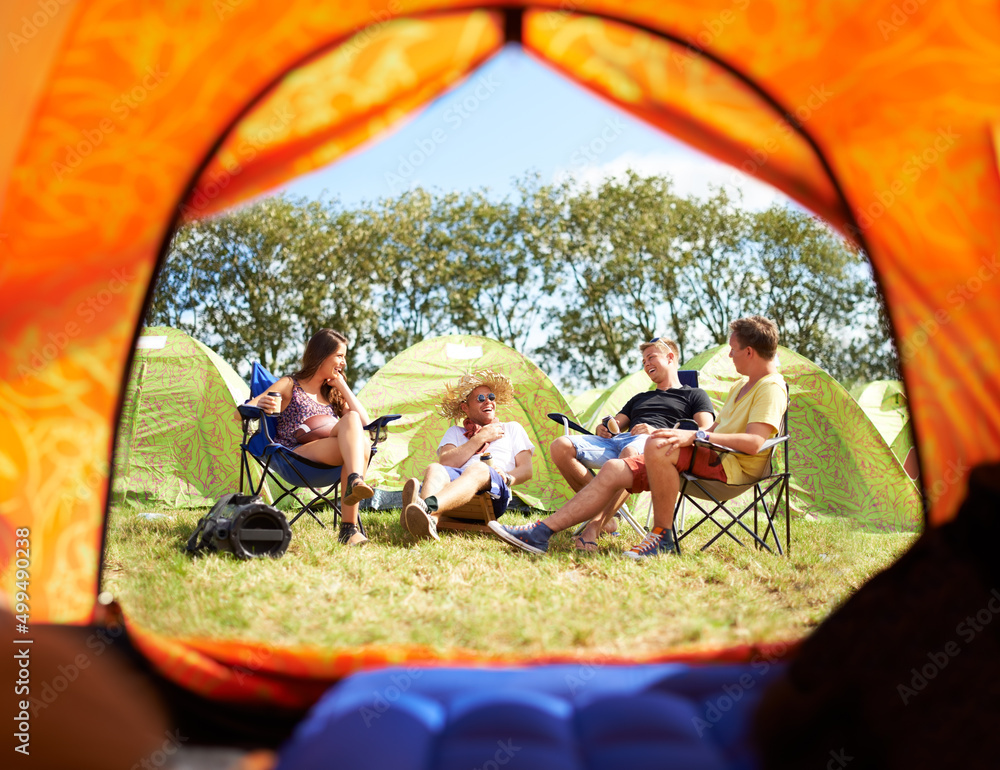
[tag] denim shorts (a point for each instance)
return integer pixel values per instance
(594, 451)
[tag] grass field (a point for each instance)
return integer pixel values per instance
(476, 593)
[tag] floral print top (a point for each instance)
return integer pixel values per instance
(296, 413)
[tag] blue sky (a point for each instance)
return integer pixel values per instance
(512, 117)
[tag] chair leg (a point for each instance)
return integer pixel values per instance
(788, 515)
(626, 516)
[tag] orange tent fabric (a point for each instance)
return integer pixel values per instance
(345, 97)
(890, 117)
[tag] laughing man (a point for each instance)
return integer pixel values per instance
(459, 474)
(665, 406)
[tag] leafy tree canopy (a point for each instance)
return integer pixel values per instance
(575, 277)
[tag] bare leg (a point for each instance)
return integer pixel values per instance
(605, 487)
(346, 446)
(600, 522)
(564, 456)
(664, 481)
(450, 495)
(419, 519)
(435, 479)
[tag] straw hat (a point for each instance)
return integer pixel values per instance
(456, 395)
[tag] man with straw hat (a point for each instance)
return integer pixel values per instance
(461, 472)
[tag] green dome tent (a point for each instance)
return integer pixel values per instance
(412, 384)
(179, 438)
(841, 465)
(884, 401)
(583, 405)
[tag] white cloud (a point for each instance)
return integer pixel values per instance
(692, 174)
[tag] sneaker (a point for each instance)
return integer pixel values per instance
(350, 534)
(659, 542)
(522, 536)
(357, 490)
(411, 490)
(419, 522)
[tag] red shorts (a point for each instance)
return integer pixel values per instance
(707, 465)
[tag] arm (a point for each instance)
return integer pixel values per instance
(522, 468)
(352, 403)
(704, 411)
(748, 443)
(456, 456)
(701, 419)
(271, 404)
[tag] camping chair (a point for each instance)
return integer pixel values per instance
(688, 378)
(286, 469)
(698, 490)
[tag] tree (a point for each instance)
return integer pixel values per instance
(716, 284)
(618, 260)
(577, 277)
(255, 284)
(812, 283)
(496, 282)
(411, 267)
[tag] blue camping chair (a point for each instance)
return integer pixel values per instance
(289, 471)
(688, 377)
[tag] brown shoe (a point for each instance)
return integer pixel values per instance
(411, 489)
(419, 521)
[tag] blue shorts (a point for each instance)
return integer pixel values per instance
(499, 490)
(594, 451)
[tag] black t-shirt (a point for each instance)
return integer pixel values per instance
(663, 408)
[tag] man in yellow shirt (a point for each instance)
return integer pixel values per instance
(751, 415)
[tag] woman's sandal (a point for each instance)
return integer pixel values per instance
(351, 534)
(357, 490)
(587, 546)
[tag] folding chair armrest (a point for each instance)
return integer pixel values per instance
(248, 412)
(568, 423)
(772, 442)
(378, 429)
(767, 445)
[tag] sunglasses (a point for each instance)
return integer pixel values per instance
(483, 396)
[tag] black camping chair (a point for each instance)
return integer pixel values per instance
(688, 377)
(775, 482)
(290, 472)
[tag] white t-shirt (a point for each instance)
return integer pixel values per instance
(503, 450)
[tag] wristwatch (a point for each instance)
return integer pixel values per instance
(701, 435)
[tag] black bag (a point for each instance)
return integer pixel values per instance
(243, 526)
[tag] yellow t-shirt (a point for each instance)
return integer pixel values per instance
(765, 403)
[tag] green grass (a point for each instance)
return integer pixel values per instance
(475, 592)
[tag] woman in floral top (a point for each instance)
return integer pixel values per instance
(318, 388)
